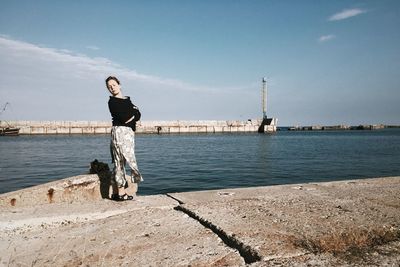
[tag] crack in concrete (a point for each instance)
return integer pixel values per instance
(176, 199)
(248, 254)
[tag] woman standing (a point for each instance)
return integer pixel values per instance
(124, 117)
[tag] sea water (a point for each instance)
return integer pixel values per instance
(188, 162)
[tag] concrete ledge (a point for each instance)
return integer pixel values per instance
(89, 187)
(82, 187)
(345, 223)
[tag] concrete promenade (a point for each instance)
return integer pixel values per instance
(67, 223)
(102, 127)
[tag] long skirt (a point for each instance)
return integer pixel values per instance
(123, 152)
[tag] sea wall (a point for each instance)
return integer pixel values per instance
(161, 127)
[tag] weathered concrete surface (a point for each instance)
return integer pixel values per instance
(283, 224)
(88, 187)
(144, 232)
(78, 188)
(347, 223)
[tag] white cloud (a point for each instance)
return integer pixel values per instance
(325, 38)
(45, 83)
(346, 13)
(92, 47)
(96, 65)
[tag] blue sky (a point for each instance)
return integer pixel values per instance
(327, 62)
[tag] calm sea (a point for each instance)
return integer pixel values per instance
(175, 163)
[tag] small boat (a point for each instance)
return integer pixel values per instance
(9, 131)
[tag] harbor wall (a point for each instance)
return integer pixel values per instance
(160, 127)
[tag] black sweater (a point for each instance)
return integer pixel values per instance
(121, 110)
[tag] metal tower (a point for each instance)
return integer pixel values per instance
(264, 97)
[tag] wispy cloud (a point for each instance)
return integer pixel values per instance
(82, 63)
(347, 13)
(325, 38)
(92, 47)
(57, 84)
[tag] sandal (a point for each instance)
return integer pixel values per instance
(123, 197)
(126, 197)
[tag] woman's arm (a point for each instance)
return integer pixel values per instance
(131, 119)
(136, 115)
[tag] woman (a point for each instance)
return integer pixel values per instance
(124, 117)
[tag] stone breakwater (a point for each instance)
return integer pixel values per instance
(67, 223)
(161, 127)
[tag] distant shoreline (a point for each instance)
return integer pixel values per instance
(336, 127)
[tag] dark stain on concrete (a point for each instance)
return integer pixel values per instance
(83, 184)
(50, 195)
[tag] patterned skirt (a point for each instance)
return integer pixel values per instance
(123, 152)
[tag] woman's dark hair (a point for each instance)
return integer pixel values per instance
(112, 78)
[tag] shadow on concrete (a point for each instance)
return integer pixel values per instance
(104, 173)
(266, 121)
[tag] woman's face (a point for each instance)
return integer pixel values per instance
(113, 87)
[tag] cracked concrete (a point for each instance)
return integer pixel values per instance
(144, 232)
(259, 226)
(274, 220)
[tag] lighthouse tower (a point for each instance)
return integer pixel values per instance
(267, 124)
(264, 97)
